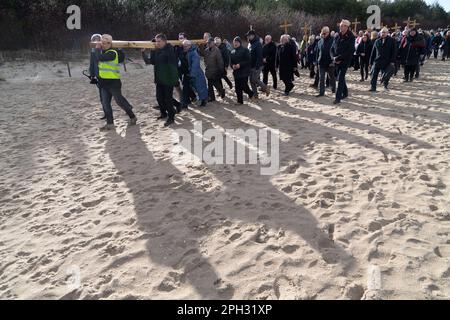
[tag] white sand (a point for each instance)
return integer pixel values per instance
(376, 168)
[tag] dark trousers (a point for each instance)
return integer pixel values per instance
(164, 96)
(387, 74)
(436, 52)
(241, 86)
(270, 69)
(215, 83)
(312, 70)
(409, 72)
(323, 71)
(288, 85)
(188, 95)
(227, 80)
(364, 66)
(342, 90)
(417, 71)
(107, 93)
(356, 63)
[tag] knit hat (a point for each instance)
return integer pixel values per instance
(238, 39)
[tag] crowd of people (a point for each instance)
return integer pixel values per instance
(327, 57)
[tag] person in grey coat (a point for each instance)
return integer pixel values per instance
(214, 70)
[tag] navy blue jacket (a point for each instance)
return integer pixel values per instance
(256, 53)
(324, 51)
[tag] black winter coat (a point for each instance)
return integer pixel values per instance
(343, 48)
(242, 57)
(383, 53)
(270, 54)
(366, 49)
(286, 61)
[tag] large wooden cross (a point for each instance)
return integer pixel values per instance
(286, 26)
(356, 23)
(144, 44)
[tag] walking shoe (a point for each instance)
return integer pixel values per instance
(162, 117)
(386, 88)
(103, 118)
(107, 127)
(362, 80)
(203, 103)
(372, 90)
(132, 121)
(169, 122)
(267, 91)
(320, 95)
(336, 102)
(222, 94)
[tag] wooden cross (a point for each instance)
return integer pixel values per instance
(414, 23)
(286, 26)
(306, 29)
(408, 22)
(356, 23)
(396, 28)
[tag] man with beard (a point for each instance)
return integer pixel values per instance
(269, 57)
(256, 64)
(325, 62)
(342, 54)
(286, 63)
(382, 59)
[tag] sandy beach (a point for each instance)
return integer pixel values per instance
(360, 208)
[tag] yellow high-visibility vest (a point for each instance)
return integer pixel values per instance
(109, 69)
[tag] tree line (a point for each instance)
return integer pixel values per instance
(41, 24)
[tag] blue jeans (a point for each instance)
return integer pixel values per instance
(342, 90)
(114, 90)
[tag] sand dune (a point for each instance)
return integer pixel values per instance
(359, 210)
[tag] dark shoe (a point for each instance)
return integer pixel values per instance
(132, 121)
(336, 102)
(156, 107)
(169, 122)
(179, 108)
(405, 80)
(362, 80)
(313, 86)
(222, 94)
(344, 97)
(203, 103)
(320, 95)
(372, 90)
(107, 127)
(103, 118)
(162, 117)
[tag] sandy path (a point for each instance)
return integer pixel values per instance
(115, 208)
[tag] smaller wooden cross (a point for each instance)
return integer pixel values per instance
(408, 22)
(286, 26)
(356, 23)
(396, 28)
(414, 23)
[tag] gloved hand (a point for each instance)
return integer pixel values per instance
(93, 80)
